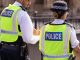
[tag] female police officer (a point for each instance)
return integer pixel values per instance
(56, 36)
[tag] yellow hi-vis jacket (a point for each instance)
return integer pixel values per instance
(9, 24)
(54, 42)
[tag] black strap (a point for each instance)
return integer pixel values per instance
(50, 22)
(20, 39)
(23, 8)
(70, 48)
(19, 28)
(41, 56)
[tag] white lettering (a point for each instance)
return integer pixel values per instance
(53, 36)
(60, 36)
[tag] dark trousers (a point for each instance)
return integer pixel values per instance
(8, 52)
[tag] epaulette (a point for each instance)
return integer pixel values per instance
(69, 24)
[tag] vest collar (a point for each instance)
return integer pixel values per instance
(58, 21)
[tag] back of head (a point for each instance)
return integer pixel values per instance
(60, 7)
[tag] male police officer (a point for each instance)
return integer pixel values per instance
(10, 35)
(56, 36)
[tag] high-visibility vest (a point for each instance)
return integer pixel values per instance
(54, 42)
(9, 24)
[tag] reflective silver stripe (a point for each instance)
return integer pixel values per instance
(60, 7)
(8, 32)
(43, 39)
(14, 18)
(66, 39)
(62, 56)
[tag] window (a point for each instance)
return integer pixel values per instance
(39, 1)
(0, 3)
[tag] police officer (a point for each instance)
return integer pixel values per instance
(14, 23)
(56, 36)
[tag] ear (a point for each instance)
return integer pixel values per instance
(67, 13)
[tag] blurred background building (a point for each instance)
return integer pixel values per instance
(42, 6)
(40, 11)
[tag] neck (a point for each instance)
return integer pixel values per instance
(63, 17)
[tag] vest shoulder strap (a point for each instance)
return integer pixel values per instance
(47, 23)
(23, 8)
(50, 22)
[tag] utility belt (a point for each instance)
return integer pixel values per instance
(6, 43)
(23, 49)
(12, 44)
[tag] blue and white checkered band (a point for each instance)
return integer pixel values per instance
(60, 7)
(7, 13)
(53, 36)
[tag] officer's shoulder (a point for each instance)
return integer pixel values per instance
(70, 25)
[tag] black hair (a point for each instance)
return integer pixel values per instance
(59, 13)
